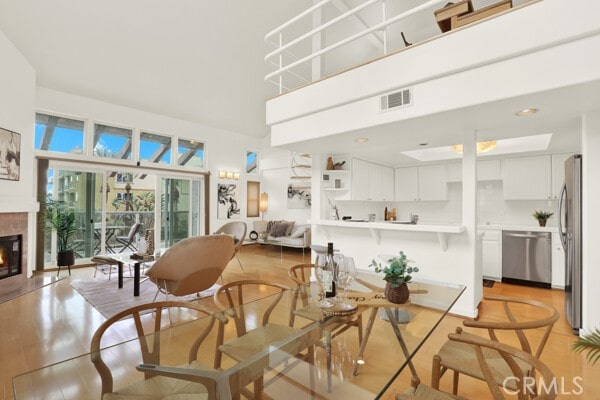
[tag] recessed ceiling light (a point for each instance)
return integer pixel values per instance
(361, 140)
(527, 111)
(423, 144)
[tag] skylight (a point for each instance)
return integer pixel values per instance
(503, 146)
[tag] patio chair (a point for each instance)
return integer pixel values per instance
(128, 241)
(527, 387)
(191, 265)
(251, 341)
(237, 229)
(192, 380)
(463, 359)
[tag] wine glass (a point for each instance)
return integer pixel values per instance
(325, 278)
(345, 274)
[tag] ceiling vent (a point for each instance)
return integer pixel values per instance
(393, 101)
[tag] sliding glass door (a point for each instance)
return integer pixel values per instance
(181, 202)
(113, 209)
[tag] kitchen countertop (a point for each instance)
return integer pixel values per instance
(512, 227)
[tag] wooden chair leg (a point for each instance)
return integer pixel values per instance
(455, 382)
(436, 372)
(258, 388)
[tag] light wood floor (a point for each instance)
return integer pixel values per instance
(54, 323)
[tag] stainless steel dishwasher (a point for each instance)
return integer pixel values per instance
(527, 258)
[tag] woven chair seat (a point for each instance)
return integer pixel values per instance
(424, 392)
(162, 388)
(458, 356)
(259, 339)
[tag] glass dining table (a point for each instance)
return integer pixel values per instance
(393, 335)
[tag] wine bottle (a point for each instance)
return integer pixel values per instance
(330, 268)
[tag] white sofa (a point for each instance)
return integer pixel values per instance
(298, 236)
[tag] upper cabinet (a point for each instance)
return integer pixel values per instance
(527, 178)
(360, 180)
(424, 183)
(406, 184)
(558, 173)
(372, 182)
(487, 170)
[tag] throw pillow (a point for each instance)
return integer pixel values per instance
(278, 229)
(290, 227)
(271, 224)
(298, 231)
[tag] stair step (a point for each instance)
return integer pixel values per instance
(302, 166)
(300, 177)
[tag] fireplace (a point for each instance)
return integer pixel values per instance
(10, 255)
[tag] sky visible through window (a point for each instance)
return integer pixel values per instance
(64, 140)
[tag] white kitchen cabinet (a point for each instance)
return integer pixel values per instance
(489, 170)
(406, 185)
(491, 254)
(527, 178)
(387, 187)
(433, 182)
(558, 262)
(375, 182)
(360, 179)
(558, 173)
(425, 183)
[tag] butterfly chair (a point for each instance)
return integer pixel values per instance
(127, 241)
(515, 361)
(252, 340)
(237, 229)
(191, 265)
(192, 380)
(463, 359)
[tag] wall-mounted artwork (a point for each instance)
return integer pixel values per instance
(298, 197)
(227, 207)
(10, 155)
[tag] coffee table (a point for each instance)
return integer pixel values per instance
(126, 258)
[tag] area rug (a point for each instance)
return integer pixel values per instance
(488, 283)
(105, 296)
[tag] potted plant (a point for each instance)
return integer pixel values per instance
(589, 343)
(62, 220)
(397, 275)
(542, 216)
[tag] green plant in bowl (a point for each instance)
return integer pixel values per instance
(542, 216)
(397, 271)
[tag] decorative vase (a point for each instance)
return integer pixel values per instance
(396, 295)
(65, 258)
(542, 222)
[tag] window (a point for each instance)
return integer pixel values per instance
(253, 199)
(251, 162)
(112, 142)
(58, 134)
(191, 153)
(155, 148)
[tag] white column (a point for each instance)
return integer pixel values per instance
(590, 148)
(469, 217)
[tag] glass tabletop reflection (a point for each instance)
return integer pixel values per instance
(339, 367)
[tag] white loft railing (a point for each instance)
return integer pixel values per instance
(288, 64)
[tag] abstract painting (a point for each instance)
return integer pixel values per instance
(10, 155)
(227, 207)
(298, 197)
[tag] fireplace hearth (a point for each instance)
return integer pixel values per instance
(10, 255)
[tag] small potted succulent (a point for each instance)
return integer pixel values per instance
(397, 275)
(542, 216)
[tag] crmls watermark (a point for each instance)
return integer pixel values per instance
(556, 385)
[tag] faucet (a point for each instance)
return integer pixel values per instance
(414, 218)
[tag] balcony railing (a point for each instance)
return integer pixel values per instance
(372, 17)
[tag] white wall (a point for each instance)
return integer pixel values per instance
(275, 173)
(225, 150)
(17, 105)
(591, 221)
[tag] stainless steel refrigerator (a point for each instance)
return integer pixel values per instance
(569, 225)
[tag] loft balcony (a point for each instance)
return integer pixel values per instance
(531, 47)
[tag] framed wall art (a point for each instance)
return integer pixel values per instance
(10, 155)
